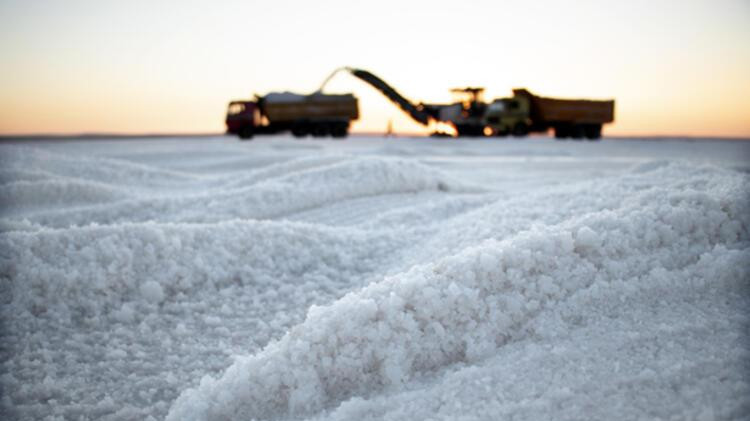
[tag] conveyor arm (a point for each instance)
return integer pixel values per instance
(417, 112)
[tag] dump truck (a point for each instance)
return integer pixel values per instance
(316, 114)
(525, 113)
(519, 115)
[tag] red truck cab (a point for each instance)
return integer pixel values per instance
(242, 118)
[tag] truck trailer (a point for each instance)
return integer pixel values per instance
(317, 114)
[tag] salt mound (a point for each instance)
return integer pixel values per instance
(665, 345)
(464, 307)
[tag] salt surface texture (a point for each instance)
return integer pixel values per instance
(208, 279)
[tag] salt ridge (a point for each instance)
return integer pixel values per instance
(462, 308)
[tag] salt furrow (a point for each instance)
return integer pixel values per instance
(57, 192)
(94, 168)
(8, 176)
(282, 169)
(271, 198)
(508, 214)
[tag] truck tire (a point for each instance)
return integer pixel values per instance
(501, 132)
(520, 130)
(300, 130)
(246, 133)
(593, 131)
(468, 130)
(321, 130)
(562, 132)
(339, 130)
(578, 131)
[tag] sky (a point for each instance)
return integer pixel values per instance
(69, 67)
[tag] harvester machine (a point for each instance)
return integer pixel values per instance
(519, 115)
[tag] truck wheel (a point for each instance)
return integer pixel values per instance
(593, 131)
(469, 130)
(520, 130)
(300, 130)
(578, 132)
(561, 132)
(246, 133)
(320, 130)
(501, 132)
(340, 130)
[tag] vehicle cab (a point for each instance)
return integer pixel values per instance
(242, 118)
(508, 116)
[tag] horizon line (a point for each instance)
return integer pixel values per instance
(119, 135)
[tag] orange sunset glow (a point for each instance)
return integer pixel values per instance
(673, 67)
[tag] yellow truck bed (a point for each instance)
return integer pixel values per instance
(576, 111)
